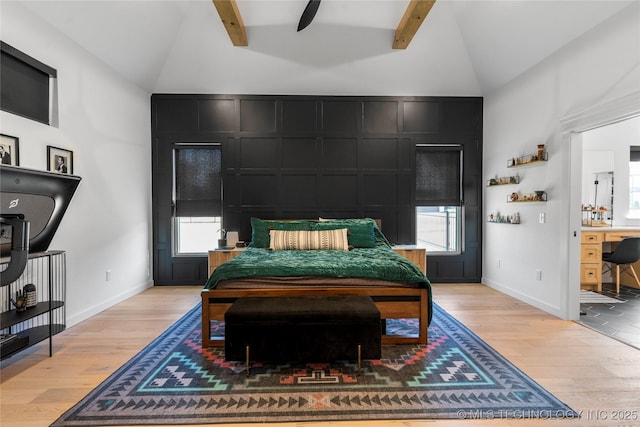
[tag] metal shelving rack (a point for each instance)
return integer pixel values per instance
(47, 271)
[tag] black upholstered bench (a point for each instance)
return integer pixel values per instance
(309, 329)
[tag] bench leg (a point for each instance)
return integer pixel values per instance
(359, 358)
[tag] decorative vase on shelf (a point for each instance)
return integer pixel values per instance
(30, 294)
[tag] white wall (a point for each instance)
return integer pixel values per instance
(105, 121)
(601, 66)
(616, 139)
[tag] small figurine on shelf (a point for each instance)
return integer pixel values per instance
(540, 151)
(514, 197)
(20, 302)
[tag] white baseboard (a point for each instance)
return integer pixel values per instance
(554, 310)
(92, 311)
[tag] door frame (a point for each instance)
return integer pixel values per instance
(571, 127)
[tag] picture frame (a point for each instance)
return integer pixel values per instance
(9, 150)
(59, 160)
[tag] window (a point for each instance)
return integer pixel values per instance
(26, 85)
(439, 198)
(197, 200)
(196, 235)
(438, 228)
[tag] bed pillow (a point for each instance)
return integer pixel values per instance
(260, 229)
(360, 231)
(281, 240)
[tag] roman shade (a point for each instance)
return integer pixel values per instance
(24, 88)
(438, 175)
(198, 181)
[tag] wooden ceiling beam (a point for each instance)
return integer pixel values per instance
(232, 20)
(416, 12)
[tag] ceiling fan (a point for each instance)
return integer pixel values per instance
(308, 14)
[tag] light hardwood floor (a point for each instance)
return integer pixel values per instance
(590, 372)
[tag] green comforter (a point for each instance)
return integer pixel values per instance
(371, 263)
(379, 262)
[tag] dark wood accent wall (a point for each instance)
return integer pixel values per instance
(291, 156)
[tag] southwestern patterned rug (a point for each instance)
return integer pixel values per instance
(174, 381)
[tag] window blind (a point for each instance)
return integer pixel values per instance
(438, 175)
(24, 84)
(634, 153)
(198, 181)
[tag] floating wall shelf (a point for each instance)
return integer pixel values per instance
(504, 180)
(538, 196)
(526, 160)
(504, 219)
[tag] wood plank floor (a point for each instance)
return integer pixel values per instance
(590, 372)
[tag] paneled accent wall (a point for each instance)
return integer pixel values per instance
(317, 156)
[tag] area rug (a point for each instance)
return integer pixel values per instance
(590, 297)
(174, 381)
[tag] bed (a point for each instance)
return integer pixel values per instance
(320, 257)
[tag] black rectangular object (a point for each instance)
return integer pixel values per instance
(308, 329)
(42, 197)
(24, 86)
(12, 345)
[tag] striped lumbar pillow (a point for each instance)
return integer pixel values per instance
(304, 240)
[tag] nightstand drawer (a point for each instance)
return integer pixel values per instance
(221, 256)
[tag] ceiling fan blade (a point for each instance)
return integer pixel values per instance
(308, 14)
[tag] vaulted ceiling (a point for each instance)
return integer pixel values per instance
(461, 48)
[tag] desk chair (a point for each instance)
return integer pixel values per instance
(625, 254)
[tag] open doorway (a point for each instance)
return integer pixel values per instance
(610, 205)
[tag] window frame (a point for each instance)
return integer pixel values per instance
(176, 220)
(459, 206)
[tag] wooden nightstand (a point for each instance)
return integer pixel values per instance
(414, 254)
(219, 256)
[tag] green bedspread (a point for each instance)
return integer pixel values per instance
(379, 262)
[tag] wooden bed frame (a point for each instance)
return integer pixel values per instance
(393, 302)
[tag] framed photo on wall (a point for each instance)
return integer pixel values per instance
(9, 150)
(59, 160)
